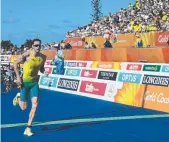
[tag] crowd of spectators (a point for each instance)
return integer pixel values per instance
(142, 16)
(47, 46)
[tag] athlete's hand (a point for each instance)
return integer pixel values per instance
(19, 82)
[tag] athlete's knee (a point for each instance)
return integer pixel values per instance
(34, 105)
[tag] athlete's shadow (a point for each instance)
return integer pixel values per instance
(46, 129)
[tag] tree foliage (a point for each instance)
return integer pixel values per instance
(28, 43)
(96, 10)
(6, 44)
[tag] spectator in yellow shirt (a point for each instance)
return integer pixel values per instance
(164, 17)
(137, 27)
(138, 5)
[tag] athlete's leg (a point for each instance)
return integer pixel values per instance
(33, 110)
(34, 93)
(22, 98)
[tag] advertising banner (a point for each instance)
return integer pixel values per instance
(54, 70)
(93, 88)
(147, 38)
(106, 65)
(48, 70)
(124, 40)
(5, 58)
(161, 38)
(107, 75)
(48, 81)
(156, 80)
(125, 93)
(89, 73)
(134, 67)
(48, 62)
(97, 40)
(72, 72)
(152, 68)
(157, 98)
(131, 86)
(68, 84)
(75, 42)
(165, 69)
(130, 77)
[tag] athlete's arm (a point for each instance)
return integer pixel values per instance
(20, 60)
(42, 69)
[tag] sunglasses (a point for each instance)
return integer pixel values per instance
(37, 45)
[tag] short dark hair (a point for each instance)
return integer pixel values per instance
(36, 40)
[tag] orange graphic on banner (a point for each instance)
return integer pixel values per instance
(147, 38)
(116, 54)
(106, 65)
(157, 98)
(161, 38)
(130, 94)
(75, 42)
(98, 41)
(154, 55)
(50, 54)
(88, 55)
(124, 40)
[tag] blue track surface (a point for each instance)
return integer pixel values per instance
(59, 106)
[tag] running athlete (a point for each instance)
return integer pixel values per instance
(33, 63)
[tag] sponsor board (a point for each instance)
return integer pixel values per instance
(130, 94)
(161, 38)
(103, 65)
(82, 64)
(156, 80)
(48, 62)
(89, 73)
(129, 77)
(93, 88)
(157, 98)
(48, 69)
(152, 68)
(5, 58)
(48, 81)
(71, 64)
(106, 75)
(75, 42)
(54, 71)
(68, 84)
(112, 89)
(72, 72)
(134, 67)
(165, 68)
(65, 63)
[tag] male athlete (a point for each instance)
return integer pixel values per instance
(33, 63)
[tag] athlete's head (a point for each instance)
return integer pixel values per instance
(36, 45)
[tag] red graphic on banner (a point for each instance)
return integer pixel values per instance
(93, 88)
(134, 67)
(81, 64)
(48, 69)
(89, 73)
(47, 62)
(161, 38)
